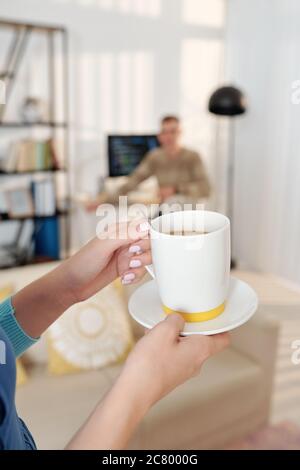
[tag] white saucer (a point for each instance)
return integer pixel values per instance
(145, 307)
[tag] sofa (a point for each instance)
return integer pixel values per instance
(228, 400)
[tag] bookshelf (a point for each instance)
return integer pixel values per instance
(33, 124)
(50, 232)
(6, 217)
(30, 172)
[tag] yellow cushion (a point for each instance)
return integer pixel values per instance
(21, 373)
(91, 334)
(5, 291)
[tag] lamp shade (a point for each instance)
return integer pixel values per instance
(227, 101)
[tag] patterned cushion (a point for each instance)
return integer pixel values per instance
(91, 334)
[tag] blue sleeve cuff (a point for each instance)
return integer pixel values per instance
(20, 341)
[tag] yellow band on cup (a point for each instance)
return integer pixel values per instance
(199, 316)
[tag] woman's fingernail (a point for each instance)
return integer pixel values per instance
(135, 263)
(144, 227)
(135, 249)
(128, 278)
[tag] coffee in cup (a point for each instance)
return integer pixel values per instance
(185, 233)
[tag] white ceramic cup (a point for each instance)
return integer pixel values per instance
(192, 272)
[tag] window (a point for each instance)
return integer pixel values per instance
(204, 12)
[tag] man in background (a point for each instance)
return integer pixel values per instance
(179, 171)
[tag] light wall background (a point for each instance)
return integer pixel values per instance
(131, 61)
(263, 49)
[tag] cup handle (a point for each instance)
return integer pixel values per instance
(150, 270)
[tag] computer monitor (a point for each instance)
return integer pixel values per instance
(125, 152)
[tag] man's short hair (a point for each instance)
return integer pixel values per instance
(170, 118)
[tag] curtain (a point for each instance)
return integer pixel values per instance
(263, 47)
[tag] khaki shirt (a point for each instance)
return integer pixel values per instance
(185, 172)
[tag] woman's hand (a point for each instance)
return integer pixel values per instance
(161, 361)
(122, 251)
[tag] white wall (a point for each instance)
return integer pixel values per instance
(263, 40)
(130, 62)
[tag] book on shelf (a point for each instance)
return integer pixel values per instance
(3, 203)
(46, 239)
(30, 155)
(9, 163)
(38, 193)
(44, 197)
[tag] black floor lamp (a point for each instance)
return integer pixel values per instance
(231, 102)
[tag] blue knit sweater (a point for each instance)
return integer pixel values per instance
(13, 342)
